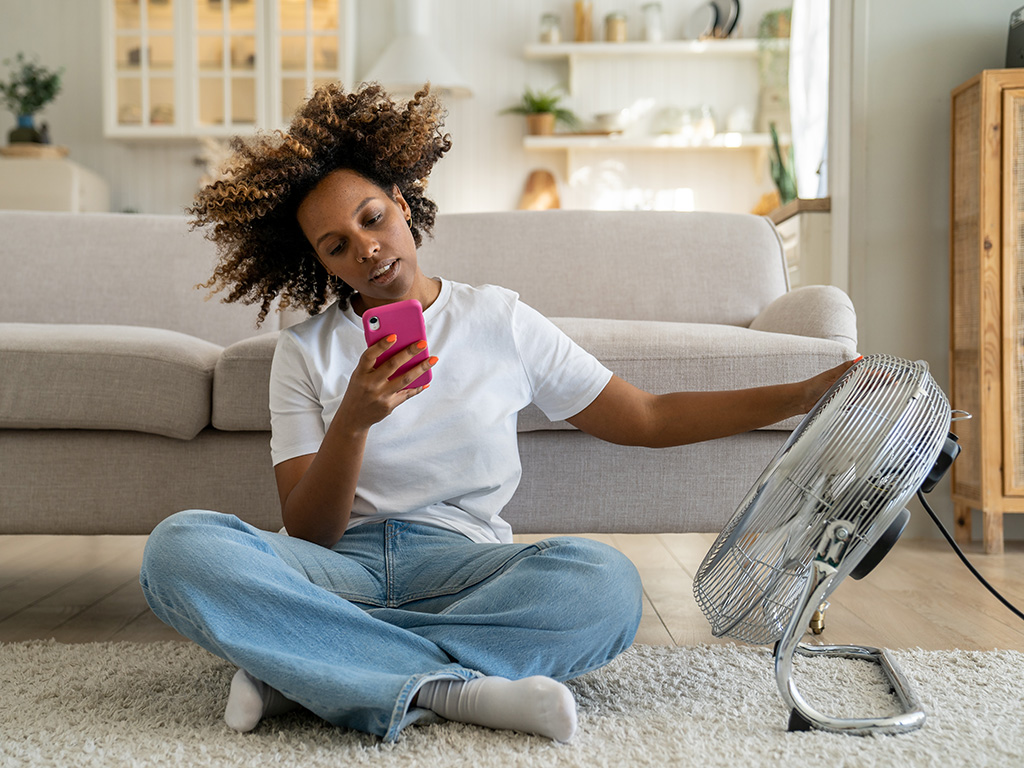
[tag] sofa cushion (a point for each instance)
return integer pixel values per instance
(58, 376)
(241, 385)
(691, 267)
(116, 269)
(670, 357)
(656, 356)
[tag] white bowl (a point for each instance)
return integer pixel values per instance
(612, 122)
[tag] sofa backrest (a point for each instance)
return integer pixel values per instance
(630, 265)
(140, 269)
(115, 269)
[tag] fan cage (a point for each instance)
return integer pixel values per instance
(857, 457)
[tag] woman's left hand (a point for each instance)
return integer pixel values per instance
(816, 386)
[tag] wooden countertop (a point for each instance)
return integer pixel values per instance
(800, 205)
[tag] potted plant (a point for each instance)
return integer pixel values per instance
(782, 169)
(30, 88)
(542, 111)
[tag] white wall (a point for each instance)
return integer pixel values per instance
(908, 56)
(485, 170)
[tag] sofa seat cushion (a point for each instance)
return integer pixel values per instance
(665, 357)
(656, 356)
(58, 376)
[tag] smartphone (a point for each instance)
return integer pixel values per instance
(405, 320)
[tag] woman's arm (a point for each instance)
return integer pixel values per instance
(318, 490)
(627, 415)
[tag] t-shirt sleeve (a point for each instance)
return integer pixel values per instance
(565, 378)
(296, 415)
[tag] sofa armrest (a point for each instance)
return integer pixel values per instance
(817, 311)
(241, 385)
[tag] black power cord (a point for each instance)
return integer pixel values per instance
(963, 557)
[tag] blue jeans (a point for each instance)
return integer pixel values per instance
(352, 632)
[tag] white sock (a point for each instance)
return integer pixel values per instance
(250, 700)
(537, 705)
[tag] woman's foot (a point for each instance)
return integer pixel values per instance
(250, 700)
(537, 705)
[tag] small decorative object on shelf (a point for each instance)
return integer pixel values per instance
(702, 22)
(540, 192)
(774, 24)
(653, 32)
(615, 30)
(583, 13)
(728, 18)
(542, 111)
(773, 71)
(29, 89)
(550, 28)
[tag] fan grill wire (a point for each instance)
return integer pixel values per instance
(857, 457)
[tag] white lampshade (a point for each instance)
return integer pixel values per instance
(413, 57)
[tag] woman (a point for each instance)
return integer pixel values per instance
(397, 594)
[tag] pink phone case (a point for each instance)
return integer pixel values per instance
(404, 319)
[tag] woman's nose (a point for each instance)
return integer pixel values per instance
(368, 248)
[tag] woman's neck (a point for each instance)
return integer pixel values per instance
(426, 291)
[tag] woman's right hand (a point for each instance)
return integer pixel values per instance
(371, 396)
(318, 489)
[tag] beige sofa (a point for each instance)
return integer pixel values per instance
(127, 396)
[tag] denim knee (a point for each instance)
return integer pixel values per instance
(603, 577)
(177, 544)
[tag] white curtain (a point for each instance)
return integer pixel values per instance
(808, 95)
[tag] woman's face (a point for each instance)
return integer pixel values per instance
(361, 234)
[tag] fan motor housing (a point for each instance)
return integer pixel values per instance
(950, 450)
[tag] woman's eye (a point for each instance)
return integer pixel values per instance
(375, 219)
(336, 249)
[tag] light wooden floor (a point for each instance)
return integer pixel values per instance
(85, 588)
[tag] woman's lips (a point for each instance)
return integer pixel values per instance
(390, 271)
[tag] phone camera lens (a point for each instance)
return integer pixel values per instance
(374, 323)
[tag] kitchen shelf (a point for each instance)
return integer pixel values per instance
(571, 52)
(614, 143)
(736, 47)
(759, 143)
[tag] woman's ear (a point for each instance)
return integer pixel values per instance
(396, 195)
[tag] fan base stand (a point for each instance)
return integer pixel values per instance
(798, 722)
(817, 622)
(804, 717)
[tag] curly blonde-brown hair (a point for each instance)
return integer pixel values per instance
(263, 252)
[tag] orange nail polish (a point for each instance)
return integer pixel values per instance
(432, 360)
(391, 338)
(421, 345)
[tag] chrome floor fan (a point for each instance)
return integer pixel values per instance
(830, 505)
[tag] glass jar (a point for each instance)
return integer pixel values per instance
(653, 31)
(615, 28)
(583, 15)
(550, 28)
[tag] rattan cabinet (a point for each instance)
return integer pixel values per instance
(987, 294)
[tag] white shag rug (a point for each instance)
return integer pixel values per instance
(161, 704)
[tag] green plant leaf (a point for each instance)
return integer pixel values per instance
(538, 102)
(30, 87)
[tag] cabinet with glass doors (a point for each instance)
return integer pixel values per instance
(189, 68)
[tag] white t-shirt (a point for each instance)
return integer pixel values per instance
(449, 456)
